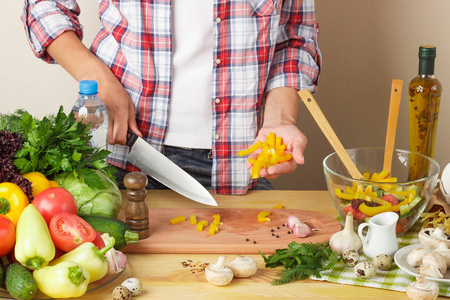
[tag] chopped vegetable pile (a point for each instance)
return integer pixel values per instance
(369, 200)
(272, 153)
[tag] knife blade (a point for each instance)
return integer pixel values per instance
(154, 163)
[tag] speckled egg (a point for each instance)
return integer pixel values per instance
(121, 293)
(382, 262)
(350, 257)
(365, 270)
(134, 285)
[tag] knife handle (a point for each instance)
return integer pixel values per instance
(131, 138)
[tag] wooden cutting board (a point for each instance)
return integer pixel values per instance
(241, 233)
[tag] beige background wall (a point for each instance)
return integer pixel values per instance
(364, 44)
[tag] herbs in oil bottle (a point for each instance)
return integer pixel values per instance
(424, 99)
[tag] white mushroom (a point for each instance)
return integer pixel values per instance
(218, 273)
(445, 253)
(422, 289)
(243, 266)
(414, 258)
(433, 265)
(433, 238)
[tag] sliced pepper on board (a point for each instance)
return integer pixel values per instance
(178, 219)
(34, 246)
(263, 216)
(12, 201)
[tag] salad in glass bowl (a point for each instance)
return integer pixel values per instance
(380, 190)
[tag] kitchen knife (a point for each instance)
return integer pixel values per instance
(158, 166)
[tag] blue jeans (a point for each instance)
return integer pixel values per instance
(196, 162)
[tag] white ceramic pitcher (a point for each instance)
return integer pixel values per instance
(381, 237)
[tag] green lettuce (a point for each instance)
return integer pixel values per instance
(93, 201)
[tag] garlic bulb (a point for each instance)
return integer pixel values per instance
(346, 238)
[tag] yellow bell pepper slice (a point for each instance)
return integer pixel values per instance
(193, 219)
(216, 218)
(178, 219)
(201, 225)
(263, 216)
(278, 206)
(397, 207)
(213, 228)
(372, 211)
(250, 149)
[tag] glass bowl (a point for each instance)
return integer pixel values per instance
(408, 195)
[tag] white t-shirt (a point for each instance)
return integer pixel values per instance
(190, 118)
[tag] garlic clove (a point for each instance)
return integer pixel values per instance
(301, 230)
(346, 238)
(291, 221)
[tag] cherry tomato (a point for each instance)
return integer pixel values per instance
(53, 201)
(391, 199)
(7, 236)
(68, 231)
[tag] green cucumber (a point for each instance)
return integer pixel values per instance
(114, 227)
(19, 282)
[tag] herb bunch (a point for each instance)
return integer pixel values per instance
(300, 261)
(58, 144)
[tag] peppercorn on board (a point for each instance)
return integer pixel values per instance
(239, 233)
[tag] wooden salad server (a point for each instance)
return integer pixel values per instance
(329, 133)
(394, 107)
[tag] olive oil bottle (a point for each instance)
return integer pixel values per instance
(424, 100)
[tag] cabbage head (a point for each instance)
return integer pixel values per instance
(101, 202)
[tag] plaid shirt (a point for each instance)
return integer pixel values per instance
(258, 45)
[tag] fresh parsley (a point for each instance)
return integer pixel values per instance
(58, 144)
(300, 261)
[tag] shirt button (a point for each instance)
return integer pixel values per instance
(217, 100)
(217, 61)
(216, 136)
(218, 20)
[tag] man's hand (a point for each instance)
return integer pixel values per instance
(82, 64)
(280, 118)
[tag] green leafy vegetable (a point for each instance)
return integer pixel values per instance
(93, 201)
(301, 261)
(57, 144)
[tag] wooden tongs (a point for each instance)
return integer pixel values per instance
(329, 133)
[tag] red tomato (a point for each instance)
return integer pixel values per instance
(391, 199)
(54, 200)
(7, 236)
(68, 231)
(98, 241)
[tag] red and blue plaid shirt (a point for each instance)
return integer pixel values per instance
(258, 45)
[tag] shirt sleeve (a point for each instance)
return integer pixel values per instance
(45, 20)
(297, 59)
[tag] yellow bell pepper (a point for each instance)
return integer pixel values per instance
(90, 257)
(263, 216)
(63, 280)
(193, 219)
(178, 219)
(201, 225)
(213, 228)
(38, 182)
(216, 218)
(34, 246)
(12, 201)
(372, 211)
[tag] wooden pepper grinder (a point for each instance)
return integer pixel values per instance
(136, 212)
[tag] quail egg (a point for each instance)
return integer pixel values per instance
(350, 257)
(382, 262)
(365, 270)
(134, 285)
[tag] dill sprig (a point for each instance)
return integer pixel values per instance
(300, 261)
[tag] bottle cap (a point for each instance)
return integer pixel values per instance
(88, 87)
(427, 52)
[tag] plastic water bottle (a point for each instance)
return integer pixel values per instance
(90, 109)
